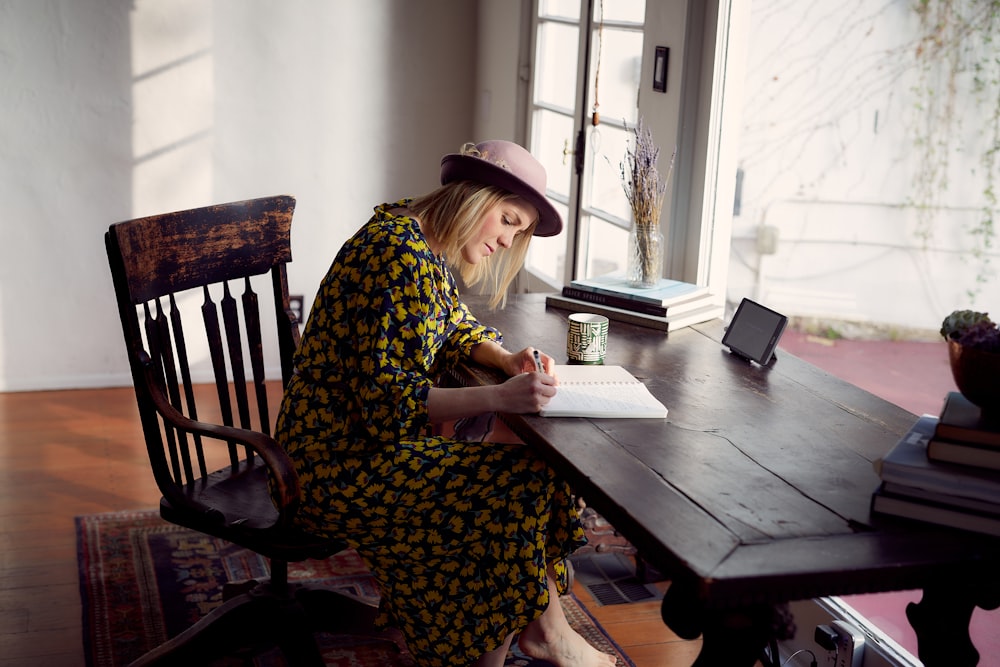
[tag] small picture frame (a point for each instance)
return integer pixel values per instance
(754, 332)
(660, 61)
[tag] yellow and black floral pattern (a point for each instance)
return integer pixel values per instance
(459, 535)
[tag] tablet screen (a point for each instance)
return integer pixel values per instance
(754, 331)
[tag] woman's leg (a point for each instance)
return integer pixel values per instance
(497, 657)
(550, 637)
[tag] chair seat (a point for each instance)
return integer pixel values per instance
(241, 512)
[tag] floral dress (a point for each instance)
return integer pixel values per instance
(458, 534)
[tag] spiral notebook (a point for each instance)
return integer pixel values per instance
(601, 391)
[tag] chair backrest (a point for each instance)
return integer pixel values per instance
(162, 267)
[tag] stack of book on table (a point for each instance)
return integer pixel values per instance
(667, 306)
(945, 470)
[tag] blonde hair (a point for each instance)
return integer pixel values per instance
(453, 214)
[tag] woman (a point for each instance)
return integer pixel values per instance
(467, 539)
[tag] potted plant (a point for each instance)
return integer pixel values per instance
(974, 352)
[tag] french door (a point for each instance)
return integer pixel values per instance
(584, 98)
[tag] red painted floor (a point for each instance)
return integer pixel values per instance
(915, 376)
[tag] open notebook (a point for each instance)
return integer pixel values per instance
(601, 391)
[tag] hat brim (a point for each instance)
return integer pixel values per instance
(456, 167)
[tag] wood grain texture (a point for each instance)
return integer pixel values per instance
(755, 490)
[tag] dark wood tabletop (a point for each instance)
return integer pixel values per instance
(754, 491)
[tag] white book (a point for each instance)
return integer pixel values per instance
(601, 392)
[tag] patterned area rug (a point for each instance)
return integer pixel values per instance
(143, 580)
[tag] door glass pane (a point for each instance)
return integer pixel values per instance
(564, 8)
(633, 11)
(547, 254)
(607, 149)
(556, 58)
(606, 247)
(553, 134)
(616, 69)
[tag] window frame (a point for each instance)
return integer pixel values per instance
(705, 68)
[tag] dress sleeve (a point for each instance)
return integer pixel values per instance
(410, 326)
(466, 334)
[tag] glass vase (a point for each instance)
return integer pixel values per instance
(645, 256)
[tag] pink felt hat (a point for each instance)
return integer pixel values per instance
(505, 165)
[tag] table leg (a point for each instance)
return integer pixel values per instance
(735, 637)
(941, 619)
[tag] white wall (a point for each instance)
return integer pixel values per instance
(114, 109)
(500, 107)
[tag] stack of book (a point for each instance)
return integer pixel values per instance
(944, 470)
(667, 306)
(964, 436)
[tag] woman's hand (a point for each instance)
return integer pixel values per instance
(493, 355)
(524, 362)
(526, 392)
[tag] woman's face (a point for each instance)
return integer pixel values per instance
(498, 229)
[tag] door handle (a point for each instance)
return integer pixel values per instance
(577, 152)
(566, 152)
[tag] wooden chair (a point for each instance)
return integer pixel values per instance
(175, 276)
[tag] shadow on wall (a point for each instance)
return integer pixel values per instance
(126, 108)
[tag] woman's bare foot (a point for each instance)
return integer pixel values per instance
(562, 647)
(550, 637)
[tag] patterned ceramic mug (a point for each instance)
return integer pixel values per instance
(587, 339)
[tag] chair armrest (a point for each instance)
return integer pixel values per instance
(286, 480)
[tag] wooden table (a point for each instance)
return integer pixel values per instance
(753, 492)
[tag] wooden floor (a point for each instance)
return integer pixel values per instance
(67, 453)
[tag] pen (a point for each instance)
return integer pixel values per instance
(538, 362)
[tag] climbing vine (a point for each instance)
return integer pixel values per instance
(958, 60)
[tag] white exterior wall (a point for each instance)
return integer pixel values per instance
(828, 153)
